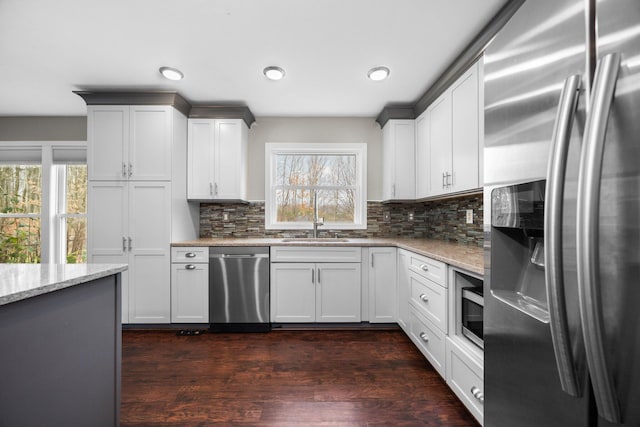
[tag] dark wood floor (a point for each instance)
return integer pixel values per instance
(282, 378)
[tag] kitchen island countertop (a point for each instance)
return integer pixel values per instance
(23, 281)
(466, 257)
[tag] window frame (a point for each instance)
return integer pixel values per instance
(52, 249)
(359, 150)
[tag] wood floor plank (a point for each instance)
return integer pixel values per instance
(282, 378)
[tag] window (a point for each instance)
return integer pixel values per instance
(20, 207)
(333, 174)
(43, 190)
(71, 216)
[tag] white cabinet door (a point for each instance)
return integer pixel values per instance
(108, 142)
(382, 285)
(150, 143)
(217, 159)
(429, 340)
(200, 158)
(189, 293)
(440, 144)
(108, 219)
(465, 132)
(465, 376)
(422, 155)
(398, 152)
(230, 159)
(337, 292)
(129, 142)
(108, 229)
(403, 289)
(293, 292)
(150, 234)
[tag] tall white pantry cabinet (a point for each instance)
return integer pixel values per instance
(137, 201)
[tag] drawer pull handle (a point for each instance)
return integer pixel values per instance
(475, 391)
(424, 337)
(424, 298)
(190, 255)
(424, 267)
(189, 267)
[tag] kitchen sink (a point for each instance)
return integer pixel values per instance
(315, 239)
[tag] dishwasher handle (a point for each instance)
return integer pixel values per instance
(232, 256)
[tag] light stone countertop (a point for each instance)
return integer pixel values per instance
(466, 257)
(22, 281)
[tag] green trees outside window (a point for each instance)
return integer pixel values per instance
(22, 213)
(20, 207)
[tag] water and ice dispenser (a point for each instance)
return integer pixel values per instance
(517, 248)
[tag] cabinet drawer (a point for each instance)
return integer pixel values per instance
(190, 254)
(429, 268)
(315, 254)
(465, 377)
(429, 299)
(429, 339)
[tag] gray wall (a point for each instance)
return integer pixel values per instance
(314, 130)
(43, 128)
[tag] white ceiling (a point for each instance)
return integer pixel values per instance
(50, 48)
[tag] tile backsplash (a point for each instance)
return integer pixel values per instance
(438, 219)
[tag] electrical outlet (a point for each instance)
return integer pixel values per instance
(386, 216)
(469, 216)
(225, 216)
(411, 216)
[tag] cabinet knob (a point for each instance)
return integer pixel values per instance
(424, 298)
(479, 395)
(189, 267)
(190, 255)
(424, 337)
(424, 267)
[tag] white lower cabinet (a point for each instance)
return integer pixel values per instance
(315, 292)
(130, 222)
(403, 289)
(338, 292)
(428, 312)
(306, 291)
(429, 299)
(429, 339)
(465, 376)
(382, 285)
(189, 285)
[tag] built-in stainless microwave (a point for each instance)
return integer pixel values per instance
(472, 305)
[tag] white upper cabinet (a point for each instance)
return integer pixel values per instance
(465, 132)
(448, 139)
(440, 145)
(217, 159)
(129, 143)
(398, 160)
(422, 155)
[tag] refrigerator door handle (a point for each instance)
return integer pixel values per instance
(553, 236)
(587, 231)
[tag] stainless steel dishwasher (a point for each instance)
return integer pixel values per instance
(239, 289)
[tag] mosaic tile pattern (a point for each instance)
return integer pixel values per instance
(440, 219)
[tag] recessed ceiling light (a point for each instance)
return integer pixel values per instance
(378, 73)
(171, 73)
(273, 73)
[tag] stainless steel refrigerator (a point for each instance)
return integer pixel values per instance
(562, 216)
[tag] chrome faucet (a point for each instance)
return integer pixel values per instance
(316, 220)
